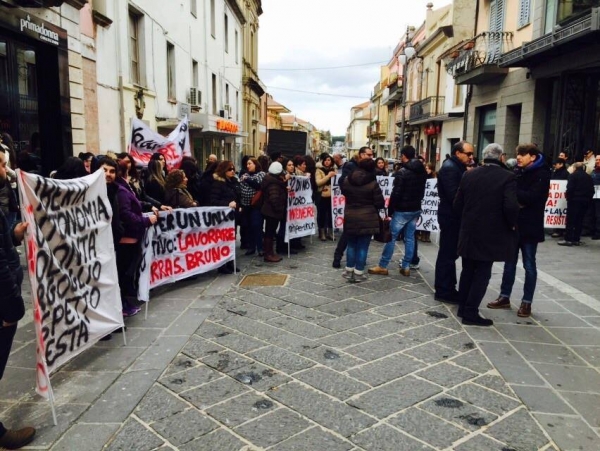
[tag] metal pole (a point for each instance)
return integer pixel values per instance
(403, 104)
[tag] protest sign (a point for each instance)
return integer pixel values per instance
(338, 202)
(596, 192)
(72, 267)
(186, 242)
(555, 213)
(144, 142)
(300, 209)
(428, 221)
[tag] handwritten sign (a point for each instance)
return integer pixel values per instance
(338, 203)
(555, 213)
(144, 143)
(186, 242)
(300, 209)
(429, 207)
(71, 265)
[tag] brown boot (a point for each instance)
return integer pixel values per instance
(15, 439)
(500, 303)
(270, 256)
(329, 235)
(322, 235)
(524, 310)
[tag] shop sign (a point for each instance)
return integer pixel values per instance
(39, 31)
(227, 126)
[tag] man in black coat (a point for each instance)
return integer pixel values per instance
(533, 184)
(449, 177)
(486, 202)
(580, 191)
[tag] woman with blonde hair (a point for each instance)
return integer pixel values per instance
(155, 183)
(176, 193)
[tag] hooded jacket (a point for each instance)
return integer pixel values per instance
(409, 187)
(363, 200)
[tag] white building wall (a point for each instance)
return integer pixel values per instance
(359, 133)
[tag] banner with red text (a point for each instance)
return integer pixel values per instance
(301, 219)
(428, 221)
(72, 267)
(555, 213)
(144, 142)
(186, 242)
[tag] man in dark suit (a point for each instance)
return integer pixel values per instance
(487, 205)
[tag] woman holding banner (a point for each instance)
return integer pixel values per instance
(325, 172)
(250, 184)
(176, 193)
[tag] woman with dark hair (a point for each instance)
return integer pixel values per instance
(325, 172)
(225, 192)
(206, 181)
(243, 168)
(361, 217)
(380, 164)
(274, 188)
(72, 168)
(289, 171)
(300, 165)
(189, 165)
(157, 156)
(250, 185)
(132, 177)
(176, 192)
(87, 158)
(155, 183)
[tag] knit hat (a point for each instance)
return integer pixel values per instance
(275, 168)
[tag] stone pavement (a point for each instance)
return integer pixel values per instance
(322, 364)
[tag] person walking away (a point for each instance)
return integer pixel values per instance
(486, 202)
(325, 172)
(580, 191)
(449, 177)
(533, 184)
(596, 199)
(364, 199)
(404, 208)
(275, 189)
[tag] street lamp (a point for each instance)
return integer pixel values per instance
(408, 52)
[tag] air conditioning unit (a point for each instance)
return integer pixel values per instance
(195, 97)
(227, 108)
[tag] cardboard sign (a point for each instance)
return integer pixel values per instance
(338, 203)
(300, 209)
(145, 142)
(428, 221)
(186, 242)
(72, 267)
(555, 213)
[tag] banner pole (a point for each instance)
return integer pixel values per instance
(52, 406)
(146, 312)
(289, 253)
(124, 337)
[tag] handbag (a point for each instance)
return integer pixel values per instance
(385, 233)
(256, 201)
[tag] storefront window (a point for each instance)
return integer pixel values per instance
(562, 12)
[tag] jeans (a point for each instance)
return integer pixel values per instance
(255, 235)
(406, 220)
(528, 251)
(356, 252)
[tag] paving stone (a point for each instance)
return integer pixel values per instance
(427, 428)
(484, 334)
(342, 340)
(543, 353)
(313, 439)
(386, 369)
(424, 334)
(542, 399)
(579, 309)
(345, 307)
(570, 378)
(86, 437)
(395, 396)
(383, 283)
(431, 353)
(334, 415)
(308, 287)
(314, 316)
(220, 440)
(514, 369)
(218, 314)
(213, 392)
(382, 298)
(446, 374)
(381, 347)
(226, 361)
(258, 376)
(385, 438)
(351, 321)
(189, 378)
(104, 359)
(458, 412)
(306, 300)
(380, 329)
(399, 309)
(180, 363)
(332, 358)
(239, 342)
(158, 404)
(591, 354)
(302, 328)
(460, 342)
(283, 360)
(198, 347)
(134, 436)
(519, 431)
(530, 334)
(565, 319)
(421, 318)
(482, 442)
(495, 383)
(332, 382)
(569, 433)
(273, 428)
(586, 404)
(261, 300)
(484, 398)
(251, 311)
(81, 386)
(419, 287)
(246, 407)
(346, 292)
(183, 427)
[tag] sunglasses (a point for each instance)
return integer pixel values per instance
(230, 169)
(468, 154)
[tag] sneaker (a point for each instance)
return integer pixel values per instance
(405, 272)
(360, 278)
(524, 310)
(565, 243)
(131, 311)
(379, 270)
(17, 439)
(501, 303)
(414, 266)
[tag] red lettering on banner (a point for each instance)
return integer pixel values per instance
(301, 213)
(338, 201)
(212, 236)
(213, 255)
(161, 269)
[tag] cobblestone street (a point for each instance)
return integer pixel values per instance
(320, 364)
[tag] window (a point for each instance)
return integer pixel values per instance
(458, 96)
(195, 77)
(214, 94)
(524, 13)
(252, 49)
(194, 7)
(496, 15)
(227, 93)
(237, 102)
(237, 46)
(212, 18)
(226, 33)
(171, 95)
(134, 47)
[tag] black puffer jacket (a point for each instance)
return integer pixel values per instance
(449, 177)
(363, 200)
(274, 196)
(580, 187)
(409, 187)
(224, 191)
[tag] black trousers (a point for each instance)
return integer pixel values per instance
(128, 259)
(596, 209)
(341, 246)
(575, 214)
(7, 334)
(445, 264)
(474, 280)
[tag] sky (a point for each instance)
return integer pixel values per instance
(355, 36)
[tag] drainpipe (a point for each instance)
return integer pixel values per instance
(470, 90)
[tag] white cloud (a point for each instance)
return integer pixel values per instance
(324, 33)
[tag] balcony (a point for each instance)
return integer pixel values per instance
(394, 94)
(475, 62)
(426, 109)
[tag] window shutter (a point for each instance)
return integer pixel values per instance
(524, 9)
(497, 15)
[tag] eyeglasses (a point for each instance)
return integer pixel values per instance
(468, 154)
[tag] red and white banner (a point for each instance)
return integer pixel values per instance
(144, 142)
(186, 242)
(301, 220)
(72, 267)
(555, 214)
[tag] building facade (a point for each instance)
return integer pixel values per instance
(356, 133)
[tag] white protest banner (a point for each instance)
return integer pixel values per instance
(338, 202)
(72, 267)
(555, 213)
(386, 183)
(428, 221)
(186, 242)
(144, 142)
(596, 192)
(300, 209)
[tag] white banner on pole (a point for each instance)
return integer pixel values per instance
(72, 267)
(300, 209)
(186, 242)
(555, 213)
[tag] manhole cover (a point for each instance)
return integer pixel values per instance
(264, 280)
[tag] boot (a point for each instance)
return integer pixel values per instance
(270, 256)
(322, 236)
(329, 235)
